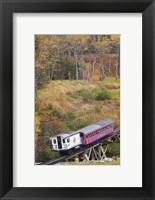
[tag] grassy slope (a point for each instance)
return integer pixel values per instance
(78, 97)
(114, 162)
(75, 103)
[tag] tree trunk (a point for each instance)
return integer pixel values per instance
(103, 70)
(93, 70)
(88, 75)
(83, 67)
(77, 73)
(52, 73)
(83, 72)
(116, 70)
(109, 66)
(76, 64)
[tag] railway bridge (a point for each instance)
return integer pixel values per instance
(95, 151)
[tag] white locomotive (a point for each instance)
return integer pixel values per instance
(66, 141)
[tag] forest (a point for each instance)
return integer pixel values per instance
(76, 84)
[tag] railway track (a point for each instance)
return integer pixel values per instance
(104, 140)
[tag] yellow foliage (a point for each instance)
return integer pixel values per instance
(37, 126)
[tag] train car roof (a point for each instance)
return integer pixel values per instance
(95, 126)
(104, 122)
(87, 129)
(64, 135)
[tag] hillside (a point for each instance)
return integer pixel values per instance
(69, 105)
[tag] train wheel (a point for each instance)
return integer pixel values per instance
(63, 153)
(70, 151)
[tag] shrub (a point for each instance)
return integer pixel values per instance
(82, 123)
(56, 112)
(68, 120)
(115, 94)
(117, 123)
(70, 115)
(113, 149)
(48, 154)
(103, 94)
(98, 108)
(51, 127)
(86, 94)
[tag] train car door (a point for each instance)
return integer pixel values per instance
(87, 140)
(82, 138)
(59, 142)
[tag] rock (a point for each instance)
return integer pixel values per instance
(108, 159)
(114, 158)
(76, 159)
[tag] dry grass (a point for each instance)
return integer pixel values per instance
(65, 95)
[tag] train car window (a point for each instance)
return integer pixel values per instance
(63, 140)
(68, 139)
(81, 134)
(54, 141)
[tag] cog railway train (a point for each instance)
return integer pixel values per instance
(65, 143)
